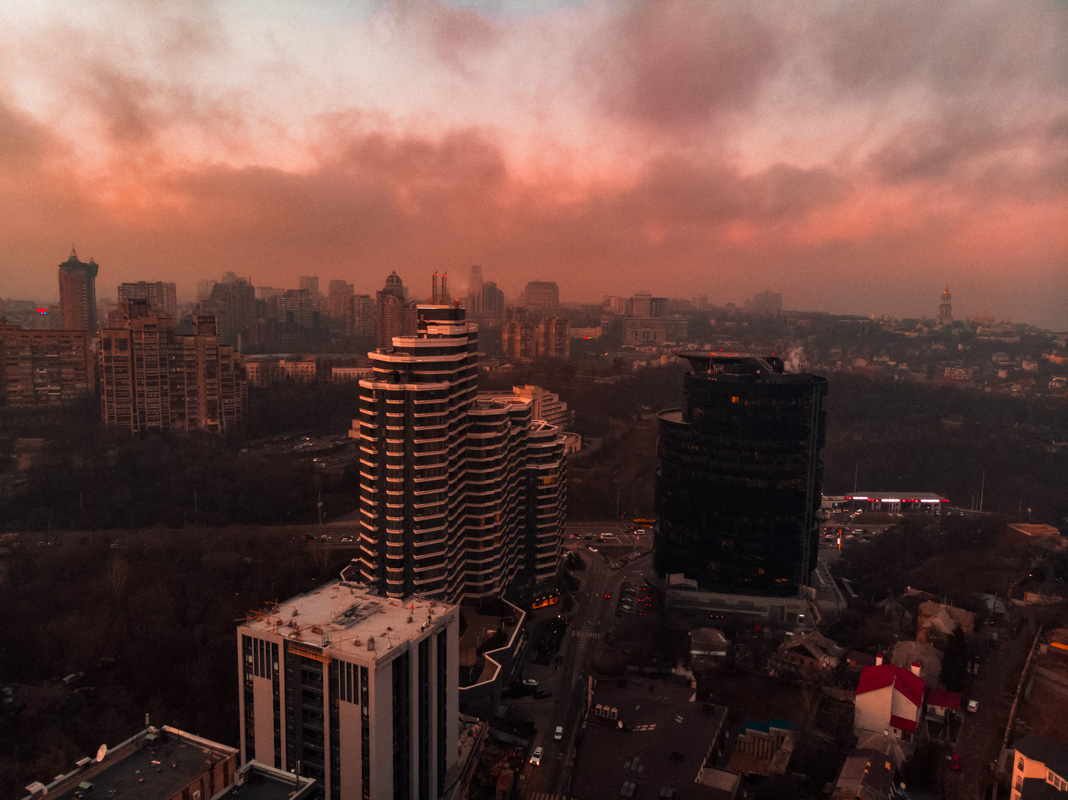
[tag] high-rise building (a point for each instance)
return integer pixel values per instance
(357, 690)
(339, 306)
(552, 338)
(458, 498)
(517, 336)
(541, 296)
(363, 315)
(159, 295)
(153, 379)
(492, 307)
(474, 293)
(233, 304)
(739, 481)
(945, 309)
(77, 293)
(395, 315)
(310, 283)
(43, 367)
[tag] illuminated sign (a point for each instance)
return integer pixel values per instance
(42, 310)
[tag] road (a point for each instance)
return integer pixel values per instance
(589, 623)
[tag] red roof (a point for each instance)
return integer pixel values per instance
(902, 723)
(882, 675)
(943, 698)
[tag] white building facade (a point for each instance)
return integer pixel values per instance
(354, 689)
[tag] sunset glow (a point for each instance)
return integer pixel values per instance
(856, 157)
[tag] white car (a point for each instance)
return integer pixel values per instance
(558, 734)
(973, 706)
(535, 757)
(530, 682)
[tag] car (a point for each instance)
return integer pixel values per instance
(954, 762)
(558, 734)
(593, 549)
(530, 682)
(973, 706)
(535, 757)
(607, 595)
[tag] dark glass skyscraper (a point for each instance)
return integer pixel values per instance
(739, 480)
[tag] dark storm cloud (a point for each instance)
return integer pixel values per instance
(670, 64)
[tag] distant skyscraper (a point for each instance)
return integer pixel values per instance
(77, 293)
(474, 293)
(233, 304)
(945, 309)
(310, 283)
(458, 497)
(339, 306)
(395, 315)
(740, 473)
(161, 296)
(492, 306)
(766, 303)
(541, 296)
(363, 315)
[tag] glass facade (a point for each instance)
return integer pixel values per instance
(739, 481)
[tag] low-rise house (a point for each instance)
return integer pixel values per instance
(865, 775)
(888, 698)
(808, 655)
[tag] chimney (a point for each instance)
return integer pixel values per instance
(916, 667)
(444, 288)
(878, 659)
(434, 290)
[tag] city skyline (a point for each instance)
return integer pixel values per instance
(855, 158)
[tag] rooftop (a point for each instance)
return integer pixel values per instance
(883, 675)
(1052, 753)
(659, 739)
(256, 781)
(350, 619)
(155, 763)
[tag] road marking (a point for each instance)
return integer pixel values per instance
(540, 796)
(588, 634)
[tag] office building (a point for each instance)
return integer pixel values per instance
(738, 485)
(77, 293)
(363, 315)
(358, 690)
(458, 498)
(541, 296)
(395, 315)
(153, 379)
(43, 367)
(158, 294)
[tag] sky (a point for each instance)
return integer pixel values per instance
(856, 156)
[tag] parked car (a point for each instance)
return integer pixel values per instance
(530, 682)
(973, 706)
(558, 734)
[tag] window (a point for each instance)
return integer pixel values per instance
(628, 789)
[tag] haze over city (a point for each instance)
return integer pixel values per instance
(856, 157)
